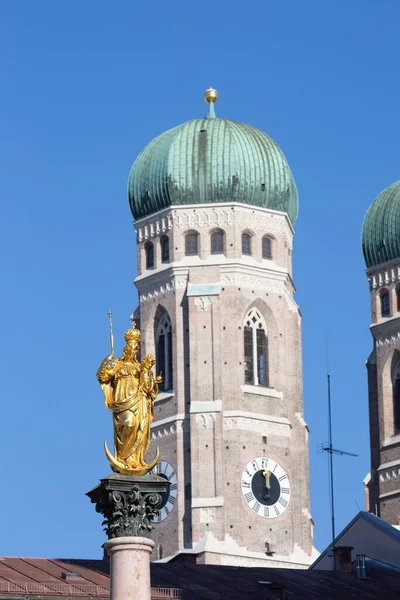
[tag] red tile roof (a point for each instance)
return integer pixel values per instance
(74, 578)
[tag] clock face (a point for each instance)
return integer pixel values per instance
(265, 487)
(166, 470)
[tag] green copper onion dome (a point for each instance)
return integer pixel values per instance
(381, 228)
(211, 160)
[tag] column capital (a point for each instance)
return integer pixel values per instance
(129, 504)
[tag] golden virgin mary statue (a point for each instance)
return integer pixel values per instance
(130, 389)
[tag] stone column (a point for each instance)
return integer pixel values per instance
(130, 567)
(129, 505)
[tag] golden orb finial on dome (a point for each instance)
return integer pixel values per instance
(210, 95)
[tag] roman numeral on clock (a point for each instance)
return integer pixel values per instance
(174, 486)
(245, 484)
(249, 496)
(285, 490)
(283, 502)
(266, 511)
(256, 506)
(172, 499)
(276, 510)
(282, 477)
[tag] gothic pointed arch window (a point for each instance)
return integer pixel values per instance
(385, 303)
(396, 392)
(149, 248)
(163, 335)
(256, 369)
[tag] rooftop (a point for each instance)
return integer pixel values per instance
(75, 578)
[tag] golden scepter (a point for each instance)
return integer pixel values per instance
(111, 332)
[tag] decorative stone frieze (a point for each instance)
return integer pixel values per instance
(384, 276)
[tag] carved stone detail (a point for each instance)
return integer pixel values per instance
(206, 420)
(384, 276)
(263, 427)
(129, 504)
(253, 281)
(203, 303)
(163, 288)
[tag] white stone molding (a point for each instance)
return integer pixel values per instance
(388, 331)
(206, 420)
(383, 275)
(241, 274)
(389, 494)
(155, 225)
(260, 423)
(203, 303)
(167, 426)
(395, 439)
(206, 216)
(163, 396)
(207, 502)
(161, 281)
(229, 552)
(207, 515)
(206, 406)
(260, 390)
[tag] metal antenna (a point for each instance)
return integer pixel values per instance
(328, 447)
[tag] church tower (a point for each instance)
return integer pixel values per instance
(215, 203)
(381, 249)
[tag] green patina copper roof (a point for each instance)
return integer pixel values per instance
(211, 160)
(381, 228)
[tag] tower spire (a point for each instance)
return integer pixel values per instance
(211, 96)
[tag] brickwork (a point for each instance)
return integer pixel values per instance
(213, 423)
(382, 365)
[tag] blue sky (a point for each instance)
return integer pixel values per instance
(85, 85)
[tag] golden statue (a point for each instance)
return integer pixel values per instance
(130, 389)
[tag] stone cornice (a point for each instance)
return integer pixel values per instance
(161, 221)
(386, 331)
(383, 275)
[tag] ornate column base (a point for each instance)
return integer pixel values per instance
(130, 567)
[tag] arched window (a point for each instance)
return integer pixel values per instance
(267, 247)
(385, 303)
(164, 352)
(164, 249)
(149, 255)
(255, 349)
(246, 243)
(396, 403)
(191, 244)
(217, 242)
(396, 391)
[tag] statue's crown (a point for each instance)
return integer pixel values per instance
(132, 334)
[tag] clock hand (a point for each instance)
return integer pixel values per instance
(267, 475)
